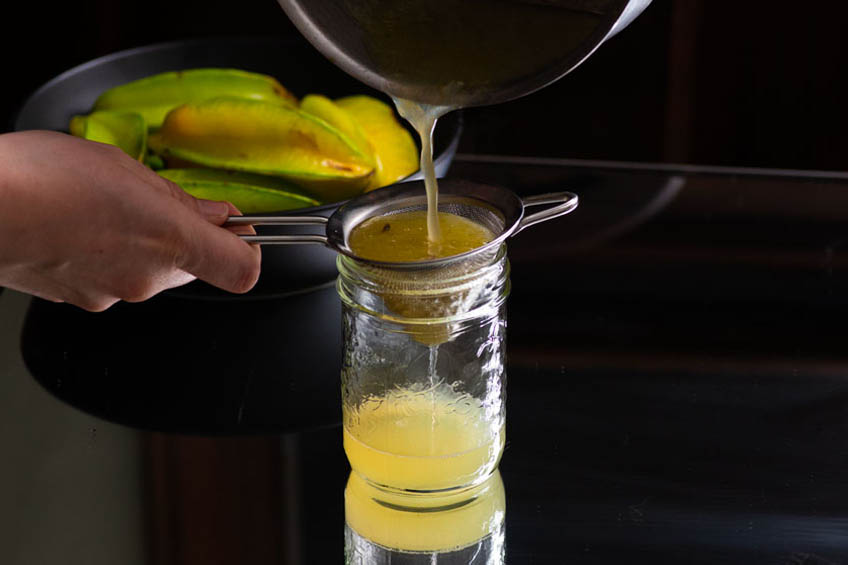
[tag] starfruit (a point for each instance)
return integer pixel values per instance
(154, 161)
(126, 130)
(324, 108)
(250, 193)
(154, 96)
(258, 137)
(395, 152)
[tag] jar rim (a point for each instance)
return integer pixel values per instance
(437, 276)
(412, 298)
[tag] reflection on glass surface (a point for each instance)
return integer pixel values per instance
(384, 527)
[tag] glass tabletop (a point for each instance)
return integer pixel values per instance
(676, 394)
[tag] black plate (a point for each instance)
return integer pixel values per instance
(294, 62)
(191, 366)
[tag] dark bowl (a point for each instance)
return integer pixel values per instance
(295, 63)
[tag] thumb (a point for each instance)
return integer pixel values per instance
(217, 213)
(219, 257)
(214, 211)
(212, 254)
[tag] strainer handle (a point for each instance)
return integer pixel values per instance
(280, 221)
(565, 203)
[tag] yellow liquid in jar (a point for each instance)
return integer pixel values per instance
(402, 237)
(426, 440)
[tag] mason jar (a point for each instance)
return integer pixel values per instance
(423, 376)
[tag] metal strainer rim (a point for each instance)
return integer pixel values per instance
(498, 200)
(501, 201)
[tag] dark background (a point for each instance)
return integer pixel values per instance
(718, 82)
(686, 392)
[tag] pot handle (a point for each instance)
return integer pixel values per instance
(565, 202)
(280, 221)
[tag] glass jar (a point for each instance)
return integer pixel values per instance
(423, 376)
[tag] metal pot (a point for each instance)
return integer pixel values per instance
(459, 53)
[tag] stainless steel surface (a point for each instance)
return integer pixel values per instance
(285, 239)
(459, 53)
(565, 203)
(280, 221)
(497, 208)
(633, 9)
(276, 220)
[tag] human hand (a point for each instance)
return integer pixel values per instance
(84, 223)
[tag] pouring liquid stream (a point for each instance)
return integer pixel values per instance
(420, 234)
(423, 118)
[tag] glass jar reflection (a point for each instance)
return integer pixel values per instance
(386, 527)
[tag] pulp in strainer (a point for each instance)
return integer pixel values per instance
(402, 237)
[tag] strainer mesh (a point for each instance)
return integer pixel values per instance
(476, 211)
(444, 286)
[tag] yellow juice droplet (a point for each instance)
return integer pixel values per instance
(426, 440)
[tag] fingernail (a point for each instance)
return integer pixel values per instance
(213, 208)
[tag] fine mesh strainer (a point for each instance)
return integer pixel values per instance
(496, 208)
